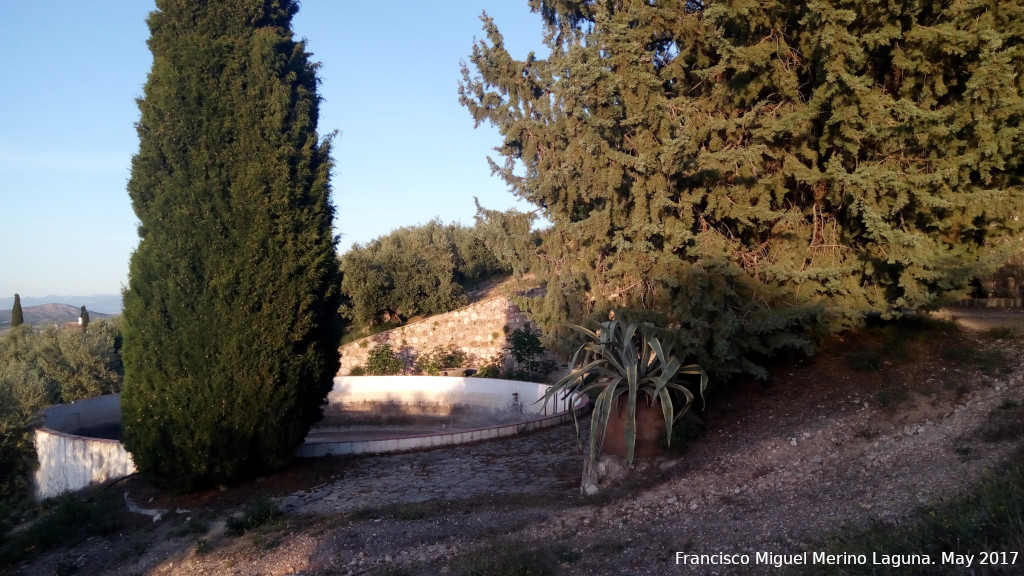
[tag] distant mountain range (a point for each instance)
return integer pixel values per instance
(46, 315)
(105, 303)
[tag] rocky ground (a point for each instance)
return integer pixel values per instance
(874, 427)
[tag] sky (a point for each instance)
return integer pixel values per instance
(70, 72)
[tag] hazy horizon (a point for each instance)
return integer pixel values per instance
(102, 303)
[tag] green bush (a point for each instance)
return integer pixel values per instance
(382, 361)
(42, 368)
(83, 364)
(63, 522)
(22, 395)
(489, 370)
(525, 347)
(258, 512)
(434, 361)
(412, 271)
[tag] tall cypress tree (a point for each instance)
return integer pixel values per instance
(743, 168)
(231, 329)
(17, 318)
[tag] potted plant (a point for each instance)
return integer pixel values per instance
(627, 370)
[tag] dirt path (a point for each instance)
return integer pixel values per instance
(982, 319)
(820, 447)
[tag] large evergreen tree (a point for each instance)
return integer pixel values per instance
(231, 329)
(744, 168)
(17, 316)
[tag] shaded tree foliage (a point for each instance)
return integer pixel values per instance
(82, 364)
(414, 270)
(42, 368)
(382, 361)
(508, 236)
(23, 393)
(750, 170)
(231, 327)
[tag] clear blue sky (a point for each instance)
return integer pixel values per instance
(70, 72)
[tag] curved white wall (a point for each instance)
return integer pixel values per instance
(69, 462)
(485, 392)
(488, 392)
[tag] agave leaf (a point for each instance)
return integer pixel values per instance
(685, 392)
(583, 330)
(628, 336)
(649, 361)
(609, 331)
(629, 426)
(614, 361)
(606, 384)
(694, 369)
(599, 420)
(573, 382)
(631, 361)
(669, 372)
(659, 351)
(666, 410)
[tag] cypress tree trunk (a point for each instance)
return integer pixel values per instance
(17, 318)
(231, 328)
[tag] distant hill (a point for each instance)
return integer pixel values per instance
(46, 315)
(105, 303)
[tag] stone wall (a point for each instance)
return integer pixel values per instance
(479, 330)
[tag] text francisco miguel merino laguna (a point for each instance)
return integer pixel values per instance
(891, 560)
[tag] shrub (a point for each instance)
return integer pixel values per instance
(42, 368)
(258, 512)
(489, 370)
(63, 521)
(629, 363)
(83, 364)
(440, 357)
(525, 347)
(22, 395)
(383, 361)
(412, 271)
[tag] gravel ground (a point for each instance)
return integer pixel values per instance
(818, 448)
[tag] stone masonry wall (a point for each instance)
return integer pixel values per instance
(480, 330)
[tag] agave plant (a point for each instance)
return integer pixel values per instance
(629, 361)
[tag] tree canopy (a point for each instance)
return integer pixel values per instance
(42, 368)
(414, 270)
(231, 326)
(750, 170)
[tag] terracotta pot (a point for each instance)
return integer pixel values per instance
(650, 429)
